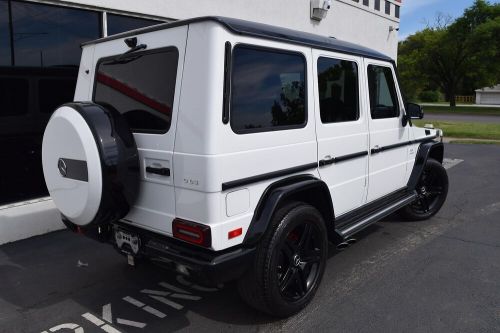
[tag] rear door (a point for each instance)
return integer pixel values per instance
(144, 86)
(388, 137)
(342, 128)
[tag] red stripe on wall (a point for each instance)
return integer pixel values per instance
(132, 93)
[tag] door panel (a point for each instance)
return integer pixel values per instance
(147, 95)
(387, 168)
(342, 128)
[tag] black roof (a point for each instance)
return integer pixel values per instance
(265, 31)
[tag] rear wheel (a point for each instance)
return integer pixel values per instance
(432, 190)
(290, 262)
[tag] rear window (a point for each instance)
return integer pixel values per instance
(140, 86)
(268, 90)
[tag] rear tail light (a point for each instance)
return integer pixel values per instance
(192, 232)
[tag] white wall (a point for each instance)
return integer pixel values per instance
(346, 19)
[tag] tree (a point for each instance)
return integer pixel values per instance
(455, 57)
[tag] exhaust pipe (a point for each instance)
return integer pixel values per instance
(345, 244)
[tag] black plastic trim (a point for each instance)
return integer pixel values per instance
(207, 266)
(265, 31)
(424, 151)
(402, 144)
(158, 171)
(342, 158)
(266, 176)
(73, 169)
(227, 83)
(317, 193)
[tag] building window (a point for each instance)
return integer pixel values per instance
(268, 90)
(397, 8)
(366, 2)
(377, 4)
(338, 90)
(388, 8)
(47, 36)
(5, 50)
(120, 23)
(141, 87)
(383, 99)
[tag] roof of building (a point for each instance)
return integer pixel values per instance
(495, 88)
(265, 31)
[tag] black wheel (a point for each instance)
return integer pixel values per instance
(432, 190)
(289, 264)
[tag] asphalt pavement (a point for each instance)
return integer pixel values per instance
(440, 275)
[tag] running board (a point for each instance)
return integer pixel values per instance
(353, 228)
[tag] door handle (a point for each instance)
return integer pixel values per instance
(327, 160)
(375, 149)
(158, 171)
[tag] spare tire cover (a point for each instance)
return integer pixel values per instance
(90, 163)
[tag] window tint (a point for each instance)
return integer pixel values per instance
(377, 4)
(47, 36)
(141, 87)
(121, 23)
(338, 90)
(14, 96)
(4, 34)
(387, 7)
(383, 100)
(366, 2)
(268, 90)
(396, 11)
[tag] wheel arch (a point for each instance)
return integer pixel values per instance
(303, 188)
(434, 150)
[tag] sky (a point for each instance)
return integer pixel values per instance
(415, 13)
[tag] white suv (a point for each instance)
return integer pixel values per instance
(230, 150)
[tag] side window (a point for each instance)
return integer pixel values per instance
(338, 90)
(383, 98)
(268, 90)
(140, 86)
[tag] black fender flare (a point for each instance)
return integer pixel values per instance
(302, 188)
(431, 149)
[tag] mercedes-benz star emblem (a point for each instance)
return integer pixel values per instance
(63, 169)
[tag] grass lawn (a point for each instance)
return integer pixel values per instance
(457, 129)
(475, 110)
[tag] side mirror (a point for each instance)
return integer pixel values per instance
(414, 111)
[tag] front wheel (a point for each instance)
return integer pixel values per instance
(290, 262)
(432, 190)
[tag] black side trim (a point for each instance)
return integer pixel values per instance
(158, 171)
(266, 176)
(73, 169)
(402, 144)
(353, 216)
(227, 83)
(342, 158)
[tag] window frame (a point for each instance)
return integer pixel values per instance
(397, 95)
(358, 89)
(256, 47)
(142, 53)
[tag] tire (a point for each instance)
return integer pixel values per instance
(432, 189)
(290, 262)
(90, 164)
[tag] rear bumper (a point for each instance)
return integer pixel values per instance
(206, 266)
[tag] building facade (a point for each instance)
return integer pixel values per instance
(40, 54)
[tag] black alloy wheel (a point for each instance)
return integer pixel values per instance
(432, 190)
(299, 261)
(289, 263)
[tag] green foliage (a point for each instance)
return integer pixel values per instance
(430, 96)
(455, 58)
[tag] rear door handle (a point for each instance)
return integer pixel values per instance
(158, 171)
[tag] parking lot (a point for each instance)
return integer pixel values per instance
(440, 275)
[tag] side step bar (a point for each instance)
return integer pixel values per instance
(353, 228)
